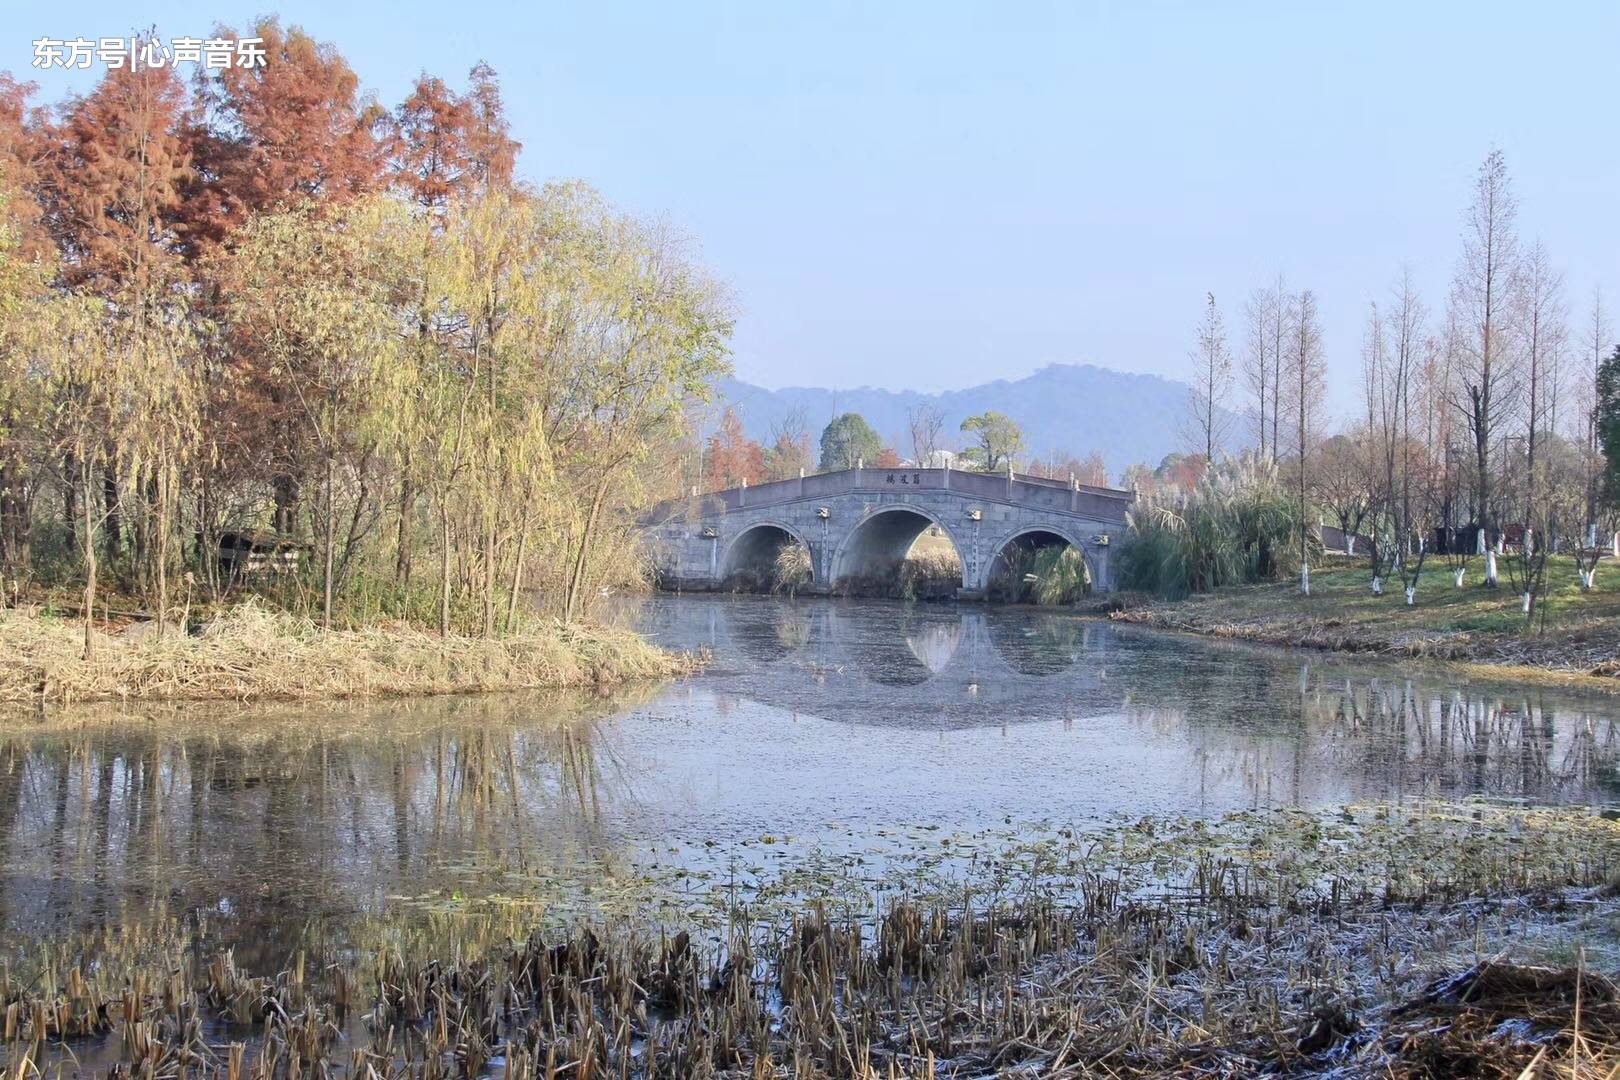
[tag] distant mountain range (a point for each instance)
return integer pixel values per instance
(1072, 408)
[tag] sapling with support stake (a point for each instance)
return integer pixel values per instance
(1588, 553)
(1377, 555)
(1527, 572)
(1457, 558)
(1411, 569)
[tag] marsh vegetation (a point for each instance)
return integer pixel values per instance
(1417, 941)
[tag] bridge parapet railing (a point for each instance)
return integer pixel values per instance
(1103, 503)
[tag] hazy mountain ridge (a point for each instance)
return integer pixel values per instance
(1076, 408)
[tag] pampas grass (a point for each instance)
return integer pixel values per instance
(252, 652)
(1238, 526)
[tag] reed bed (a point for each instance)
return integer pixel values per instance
(1299, 949)
(250, 652)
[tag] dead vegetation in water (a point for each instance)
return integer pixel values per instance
(250, 652)
(1373, 944)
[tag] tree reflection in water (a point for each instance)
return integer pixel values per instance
(286, 818)
(294, 809)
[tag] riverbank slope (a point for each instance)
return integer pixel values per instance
(248, 652)
(1573, 633)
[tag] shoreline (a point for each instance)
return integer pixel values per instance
(1166, 622)
(1340, 616)
(250, 653)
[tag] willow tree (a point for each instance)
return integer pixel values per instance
(158, 428)
(86, 386)
(111, 192)
(22, 286)
(637, 333)
(312, 288)
(485, 397)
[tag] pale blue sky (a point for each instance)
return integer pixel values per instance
(931, 194)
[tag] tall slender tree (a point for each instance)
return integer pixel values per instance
(1404, 318)
(1263, 314)
(1211, 384)
(1541, 340)
(1597, 342)
(1305, 366)
(1482, 298)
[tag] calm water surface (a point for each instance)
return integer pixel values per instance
(819, 724)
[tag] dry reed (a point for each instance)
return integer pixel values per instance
(1240, 962)
(250, 652)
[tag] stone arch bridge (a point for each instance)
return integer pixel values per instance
(861, 522)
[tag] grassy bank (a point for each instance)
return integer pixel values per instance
(1574, 632)
(1412, 941)
(248, 652)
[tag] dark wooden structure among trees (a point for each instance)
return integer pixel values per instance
(258, 553)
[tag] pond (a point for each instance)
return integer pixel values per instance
(824, 726)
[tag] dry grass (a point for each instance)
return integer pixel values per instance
(253, 653)
(1386, 942)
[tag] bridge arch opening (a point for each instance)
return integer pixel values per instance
(902, 552)
(767, 558)
(1039, 566)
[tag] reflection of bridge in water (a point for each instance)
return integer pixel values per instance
(894, 663)
(285, 816)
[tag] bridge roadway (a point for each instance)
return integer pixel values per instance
(862, 522)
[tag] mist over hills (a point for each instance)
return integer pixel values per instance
(1074, 408)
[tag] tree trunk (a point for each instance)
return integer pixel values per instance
(15, 526)
(489, 569)
(517, 581)
(517, 569)
(402, 542)
(89, 567)
(444, 569)
(112, 532)
(1304, 528)
(162, 553)
(576, 578)
(331, 540)
(70, 498)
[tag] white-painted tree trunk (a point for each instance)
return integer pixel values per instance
(1411, 595)
(1527, 603)
(1305, 580)
(1378, 585)
(1490, 568)
(1461, 570)
(1349, 544)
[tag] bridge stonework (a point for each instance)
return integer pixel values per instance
(863, 521)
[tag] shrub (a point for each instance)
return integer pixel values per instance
(1238, 525)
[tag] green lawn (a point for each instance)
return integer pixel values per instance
(1572, 630)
